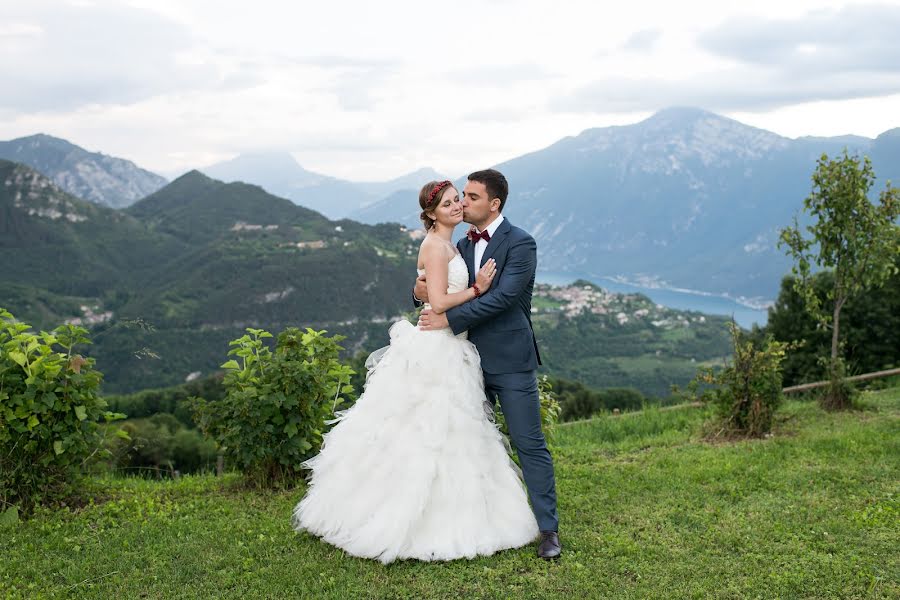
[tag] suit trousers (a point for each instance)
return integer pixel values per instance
(521, 406)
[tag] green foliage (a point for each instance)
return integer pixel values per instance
(273, 414)
(173, 400)
(549, 406)
(49, 412)
(839, 393)
(871, 339)
(857, 239)
(581, 402)
(160, 445)
(747, 392)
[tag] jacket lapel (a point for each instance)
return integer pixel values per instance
(495, 242)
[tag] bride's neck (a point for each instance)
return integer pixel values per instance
(443, 232)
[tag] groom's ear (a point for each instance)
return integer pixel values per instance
(495, 204)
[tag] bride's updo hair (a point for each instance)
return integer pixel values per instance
(429, 197)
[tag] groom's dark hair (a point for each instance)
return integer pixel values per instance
(494, 182)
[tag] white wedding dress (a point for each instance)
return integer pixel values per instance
(416, 468)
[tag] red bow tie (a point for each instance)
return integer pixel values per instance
(475, 236)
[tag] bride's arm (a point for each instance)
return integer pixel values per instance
(434, 257)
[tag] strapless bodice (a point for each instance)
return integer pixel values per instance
(457, 275)
(457, 281)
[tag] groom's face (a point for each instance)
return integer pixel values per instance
(476, 204)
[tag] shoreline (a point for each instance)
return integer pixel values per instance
(747, 311)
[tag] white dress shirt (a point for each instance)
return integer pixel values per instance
(481, 245)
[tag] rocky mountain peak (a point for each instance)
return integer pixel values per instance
(93, 176)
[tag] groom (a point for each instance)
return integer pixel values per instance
(499, 324)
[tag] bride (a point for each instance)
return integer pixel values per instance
(417, 468)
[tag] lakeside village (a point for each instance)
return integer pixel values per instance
(584, 297)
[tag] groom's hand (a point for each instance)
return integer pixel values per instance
(421, 289)
(430, 320)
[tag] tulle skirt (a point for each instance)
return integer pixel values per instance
(417, 468)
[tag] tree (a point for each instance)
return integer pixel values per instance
(870, 329)
(857, 239)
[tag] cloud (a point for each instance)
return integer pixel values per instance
(833, 55)
(746, 90)
(642, 41)
(497, 115)
(59, 57)
(856, 39)
(357, 89)
(353, 81)
(500, 75)
(335, 61)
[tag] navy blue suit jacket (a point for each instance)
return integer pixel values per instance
(499, 321)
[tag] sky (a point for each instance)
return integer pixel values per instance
(373, 90)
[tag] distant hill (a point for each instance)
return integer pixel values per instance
(68, 246)
(102, 179)
(168, 282)
(401, 206)
(411, 181)
(281, 175)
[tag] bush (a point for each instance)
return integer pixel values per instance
(581, 402)
(273, 414)
(161, 445)
(746, 393)
(172, 400)
(49, 413)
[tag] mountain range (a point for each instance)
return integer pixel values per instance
(93, 176)
(685, 199)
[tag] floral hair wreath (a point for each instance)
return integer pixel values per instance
(441, 185)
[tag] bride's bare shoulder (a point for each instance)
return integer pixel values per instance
(435, 246)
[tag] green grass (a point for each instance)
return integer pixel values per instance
(648, 510)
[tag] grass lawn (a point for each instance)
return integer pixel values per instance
(648, 510)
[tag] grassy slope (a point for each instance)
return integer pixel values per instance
(647, 511)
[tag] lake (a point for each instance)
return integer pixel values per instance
(745, 316)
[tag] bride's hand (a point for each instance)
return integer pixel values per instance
(485, 275)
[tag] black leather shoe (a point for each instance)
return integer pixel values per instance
(549, 546)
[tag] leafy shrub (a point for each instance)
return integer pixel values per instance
(549, 406)
(273, 414)
(747, 392)
(49, 412)
(161, 445)
(172, 400)
(581, 402)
